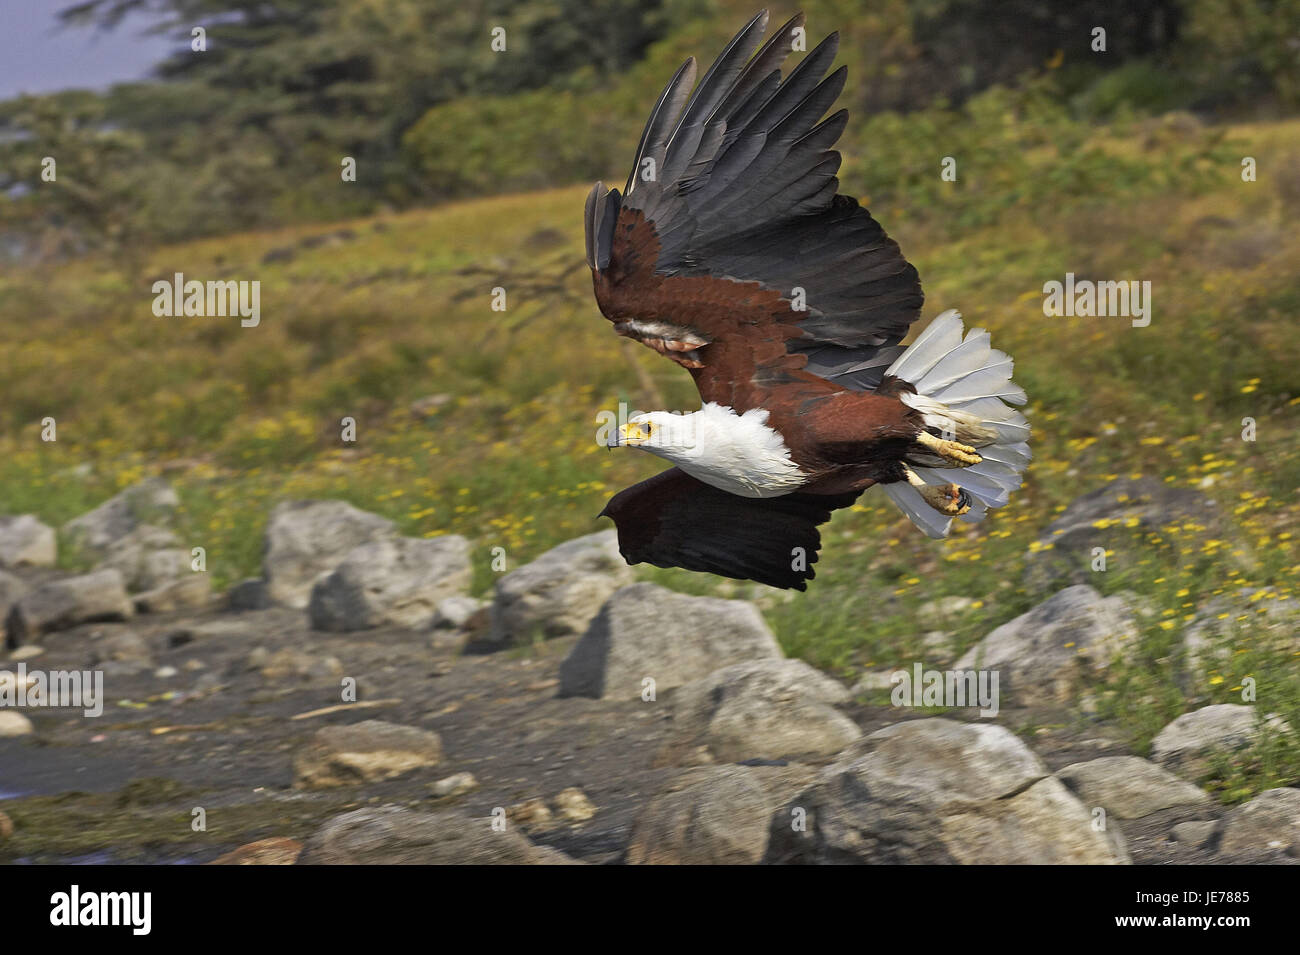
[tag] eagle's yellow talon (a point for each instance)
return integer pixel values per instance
(960, 455)
(947, 499)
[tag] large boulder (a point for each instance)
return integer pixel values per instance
(558, 593)
(61, 604)
(764, 709)
(1110, 517)
(1046, 655)
(150, 502)
(646, 632)
(717, 815)
(364, 752)
(940, 792)
(307, 539)
(1188, 745)
(25, 540)
(395, 581)
(148, 557)
(1129, 788)
(1269, 821)
(392, 835)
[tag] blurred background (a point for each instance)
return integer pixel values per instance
(471, 167)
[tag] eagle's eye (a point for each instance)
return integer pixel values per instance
(647, 428)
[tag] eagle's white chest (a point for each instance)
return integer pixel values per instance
(739, 454)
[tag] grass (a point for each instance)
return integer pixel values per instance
(397, 308)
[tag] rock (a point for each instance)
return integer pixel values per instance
(13, 723)
(188, 593)
(531, 813)
(455, 612)
(456, 784)
(148, 558)
(558, 593)
(396, 581)
(65, 603)
(11, 589)
(25, 540)
(1186, 745)
(307, 539)
(278, 850)
(1110, 517)
(27, 652)
(250, 594)
(873, 682)
(717, 815)
(1196, 833)
(644, 631)
(939, 792)
(763, 709)
(151, 501)
(573, 805)
(391, 835)
(364, 752)
(123, 645)
(6, 827)
(1269, 821)
(1048, 654)
(1129, 787)
(291, 664)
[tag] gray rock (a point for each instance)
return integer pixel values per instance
(65, 603)
(1195, 833)
(943, 612)
(455, 785)
(558, 593)
(25, 540)
(1110, 517)
(763, 709)
(249, 594)
(121, 646)
(644, 631)
(397, 581)
(455, 612)
(11, 589)
(1269, 821)
(308, 539)
(147, 557)
(151, 501)
(1046, 655)
(391, 835)
(1129, 787)
(1186, 745)
(364, 752)
(717, 815)
(941, 792)
(13, 723)
(188, 593)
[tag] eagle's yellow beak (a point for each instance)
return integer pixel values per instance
(634, 433)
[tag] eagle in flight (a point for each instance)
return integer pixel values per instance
(730, 252)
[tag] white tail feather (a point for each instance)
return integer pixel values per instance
(962, 385)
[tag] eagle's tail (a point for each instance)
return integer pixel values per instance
(962, 385)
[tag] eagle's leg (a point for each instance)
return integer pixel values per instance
(945, 498)
(958, 455)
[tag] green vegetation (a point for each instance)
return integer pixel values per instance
(1067, 169)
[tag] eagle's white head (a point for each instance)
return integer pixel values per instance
(740, 454)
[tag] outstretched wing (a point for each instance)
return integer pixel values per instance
(729, 250)
(673, 520)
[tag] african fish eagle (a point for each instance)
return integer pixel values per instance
(730, 252)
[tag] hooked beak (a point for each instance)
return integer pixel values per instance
(631, 435)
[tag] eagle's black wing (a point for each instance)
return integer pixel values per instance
(673, 520)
